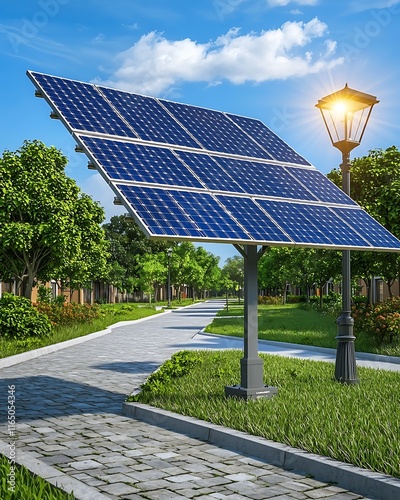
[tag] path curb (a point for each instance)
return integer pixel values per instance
(364, 482)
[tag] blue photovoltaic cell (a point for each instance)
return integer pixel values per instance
(215, 131)
(148, 118)
(209, 216)
(369, 228)
(253, 219)
(320, 185)
(182, 213)
(210, 173)
(264, 179)
(268, 140)
(131, 162)
(157, 211)
(312, 224)
(82, 106)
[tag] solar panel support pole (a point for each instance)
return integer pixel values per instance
(345, 367)
(251, 365)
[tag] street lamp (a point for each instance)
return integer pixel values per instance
(346, 114)
(169, 253)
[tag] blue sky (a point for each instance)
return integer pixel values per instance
(267, 59)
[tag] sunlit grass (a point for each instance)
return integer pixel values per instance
(357, 424)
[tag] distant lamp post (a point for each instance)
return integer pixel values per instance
(169, 253)
(346, 114)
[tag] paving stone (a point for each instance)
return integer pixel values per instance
(183, 478)
(85, 464)
(119, 489)
(320, 493)
(239, 477)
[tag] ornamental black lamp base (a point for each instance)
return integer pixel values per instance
(236, 391)
(346, 368)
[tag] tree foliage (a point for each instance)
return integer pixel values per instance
(48, 228)
(128, 244)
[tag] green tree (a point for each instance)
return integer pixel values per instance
(184, 268)
(275, 270)
(209, 275)
(89, 259)
(46, 223)
(127, 245)
(152, 270)
(234, 270)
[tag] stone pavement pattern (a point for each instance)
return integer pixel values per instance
(69, 416)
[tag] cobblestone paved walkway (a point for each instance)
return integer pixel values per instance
(69, 416)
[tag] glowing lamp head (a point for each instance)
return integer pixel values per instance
(346, 114)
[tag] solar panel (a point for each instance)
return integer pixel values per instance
(210, 172)
(148, 118)
(254, 220)
(265, 179)
(131, 162)
(368, 228)
(175, 213)
(81, 106)
(215, 131)
(186, 172)
(268, 140)
(323, 189)
(312, 224)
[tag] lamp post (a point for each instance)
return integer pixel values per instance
(169, 253)
(346, 114)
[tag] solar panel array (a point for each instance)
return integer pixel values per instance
(185, 172)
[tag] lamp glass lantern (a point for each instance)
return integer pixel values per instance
(346, 114)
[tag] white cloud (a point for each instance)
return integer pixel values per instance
(154, 64)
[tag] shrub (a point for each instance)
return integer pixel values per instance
(295, 299)
(68, 313)
(380, 320)
(19, 319)
(178, 365)
(269, 299)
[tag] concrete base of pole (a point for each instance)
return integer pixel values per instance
(247, 393)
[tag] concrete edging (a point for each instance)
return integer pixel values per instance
(355, 479)
(80, 490)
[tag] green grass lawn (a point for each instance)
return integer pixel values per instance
(357, 424)
(294, 324)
